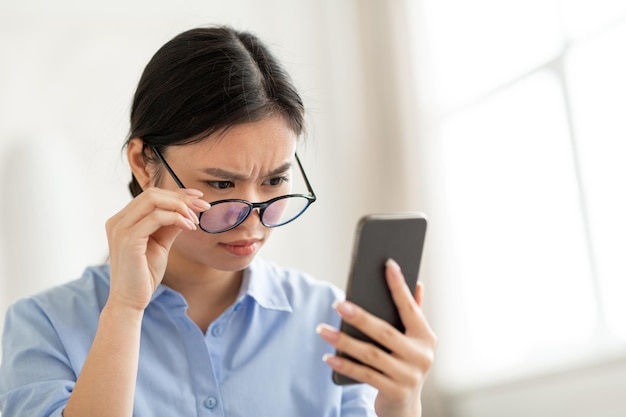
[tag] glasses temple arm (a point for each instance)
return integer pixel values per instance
(167, 167)
(306, 179)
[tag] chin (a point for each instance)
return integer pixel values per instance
(235, 265)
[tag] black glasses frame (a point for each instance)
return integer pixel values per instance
(251, 206)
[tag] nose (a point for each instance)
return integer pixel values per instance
(253, 219)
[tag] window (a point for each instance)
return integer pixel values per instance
(528, 100)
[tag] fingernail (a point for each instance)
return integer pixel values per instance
(345, 309)
(332, 360)
(393, 265)
(190, 223)
(329, 333)
(201, 204)
(194, 216)
(193, 192)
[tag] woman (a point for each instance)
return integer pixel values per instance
(186, 320)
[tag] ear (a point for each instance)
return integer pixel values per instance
(137, 162)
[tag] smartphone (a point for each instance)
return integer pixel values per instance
(379, 237)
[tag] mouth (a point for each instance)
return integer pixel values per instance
(242, 247)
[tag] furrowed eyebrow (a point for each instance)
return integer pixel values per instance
(228, 175)
(223, 174)
(281, 169)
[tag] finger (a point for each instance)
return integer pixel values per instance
(156, 198)
(368, 354)
(135, 232)
(394, 392)
(362, 373)
(158, 219)
(161, 226)
(408, 308)
(419, 293)
(162, 240)
(374, 327)
(196, 201)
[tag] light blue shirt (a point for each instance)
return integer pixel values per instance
(261, 357)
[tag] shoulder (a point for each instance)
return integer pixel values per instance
(47, 336)
(82, 297)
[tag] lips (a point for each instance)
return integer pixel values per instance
(242, 247)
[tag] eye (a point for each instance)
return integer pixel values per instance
(220, 185)
(276, 181)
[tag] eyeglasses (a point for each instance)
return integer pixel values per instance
(225, 215)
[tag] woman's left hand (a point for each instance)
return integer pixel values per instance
(399, 375)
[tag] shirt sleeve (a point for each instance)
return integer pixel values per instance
(36, 377)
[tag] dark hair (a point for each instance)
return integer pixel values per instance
(206, 80)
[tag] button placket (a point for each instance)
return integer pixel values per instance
(217, 330)
(210, 402)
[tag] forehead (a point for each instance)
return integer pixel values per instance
(272, 133)
(265, 143)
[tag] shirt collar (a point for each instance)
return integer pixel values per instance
(262, 283)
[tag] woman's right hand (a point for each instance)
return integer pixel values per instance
(140, 237)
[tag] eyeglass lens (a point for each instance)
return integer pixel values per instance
(229, 214)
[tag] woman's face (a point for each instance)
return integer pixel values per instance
(252, 162)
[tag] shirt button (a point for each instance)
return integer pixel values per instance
(210, 402)
(217, 331)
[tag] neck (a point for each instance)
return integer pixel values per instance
(208, 291)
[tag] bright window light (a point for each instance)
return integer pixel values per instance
(527, 102)
(598, 95)
(582, 17)
(475, 46)
(516, 235)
